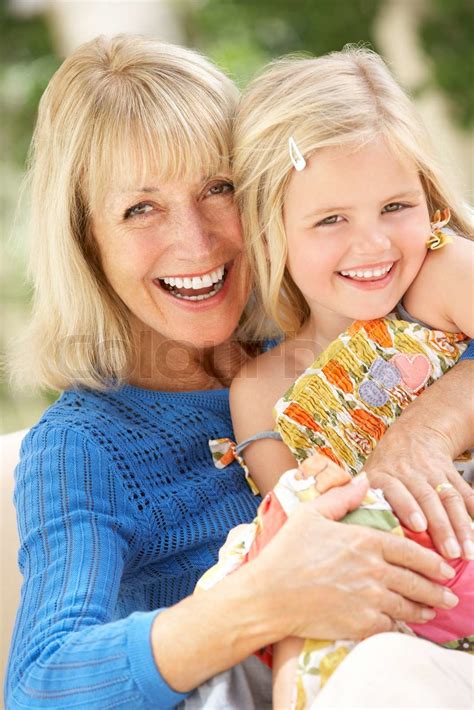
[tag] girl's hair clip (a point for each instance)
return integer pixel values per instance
(296, 155)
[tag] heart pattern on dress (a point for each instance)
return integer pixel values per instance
(414, 369)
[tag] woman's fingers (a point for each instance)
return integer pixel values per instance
(464, 488)
(442, 503)
(406, 557)
(449, 522)
(401, 499)
(398, 608)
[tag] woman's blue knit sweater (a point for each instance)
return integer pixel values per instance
(120, 510)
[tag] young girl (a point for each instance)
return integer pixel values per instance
(338, 191)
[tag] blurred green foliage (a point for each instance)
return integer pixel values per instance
(27, 61)
(446, 35)
(241, 35)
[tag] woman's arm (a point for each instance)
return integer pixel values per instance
(351, 585)
(76, 531)
(415, 455)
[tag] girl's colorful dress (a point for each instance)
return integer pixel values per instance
(340, 407)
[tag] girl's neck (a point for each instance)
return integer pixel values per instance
(323, 329)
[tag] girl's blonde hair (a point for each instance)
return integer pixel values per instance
(115, 107)
(346, 97)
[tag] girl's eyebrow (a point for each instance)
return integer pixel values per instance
(340, 208)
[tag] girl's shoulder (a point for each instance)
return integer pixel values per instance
(443, 287)
(265, 378)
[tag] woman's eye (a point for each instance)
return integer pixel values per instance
(137, 210)
(393, 207)
(220, 188)
(333, 219)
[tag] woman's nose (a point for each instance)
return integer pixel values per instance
(193, 233)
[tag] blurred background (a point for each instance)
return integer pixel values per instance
(428, 44)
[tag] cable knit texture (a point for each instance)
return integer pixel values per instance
(120, 511)
(468, 354)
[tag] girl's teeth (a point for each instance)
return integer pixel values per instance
(368, 273)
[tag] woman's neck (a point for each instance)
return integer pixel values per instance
(172, 366)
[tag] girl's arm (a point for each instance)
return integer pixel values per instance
(252, 395)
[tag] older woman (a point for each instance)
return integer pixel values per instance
(140, 284)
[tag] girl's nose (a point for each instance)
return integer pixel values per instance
(372, 240)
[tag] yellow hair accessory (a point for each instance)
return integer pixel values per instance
(438, 239)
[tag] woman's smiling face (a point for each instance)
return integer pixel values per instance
(173, 252)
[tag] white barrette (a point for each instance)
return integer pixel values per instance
(295, 155)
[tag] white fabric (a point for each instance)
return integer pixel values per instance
(393, 671)
(247, 686)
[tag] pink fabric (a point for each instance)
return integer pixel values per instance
(449, 624)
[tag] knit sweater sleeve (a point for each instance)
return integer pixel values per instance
(76, 535)
(468, 354)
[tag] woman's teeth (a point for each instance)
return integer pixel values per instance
(367, 273)
(207, 285)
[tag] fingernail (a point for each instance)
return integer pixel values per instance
(447, 571)
(451, 547)
(468, 549)
(449, 599)
(428, 614)
(417, 522)
(361, 477)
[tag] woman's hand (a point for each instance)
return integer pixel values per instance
(413, 466)
(323, 579)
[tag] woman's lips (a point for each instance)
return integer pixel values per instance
(189, 298)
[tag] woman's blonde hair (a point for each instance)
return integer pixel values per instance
(346, 97)
(114, 106)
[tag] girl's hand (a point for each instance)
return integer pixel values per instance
(322, 579)
(413, 466)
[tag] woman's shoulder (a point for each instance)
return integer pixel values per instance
(88, 415)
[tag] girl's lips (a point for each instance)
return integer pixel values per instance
(207, 303)
(378, 282)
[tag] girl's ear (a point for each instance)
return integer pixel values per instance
(438, 239)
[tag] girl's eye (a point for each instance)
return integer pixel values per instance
(221, 188)
(393, 207)
(140, 209)
(333, 219)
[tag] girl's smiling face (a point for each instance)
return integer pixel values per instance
(356, 222)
